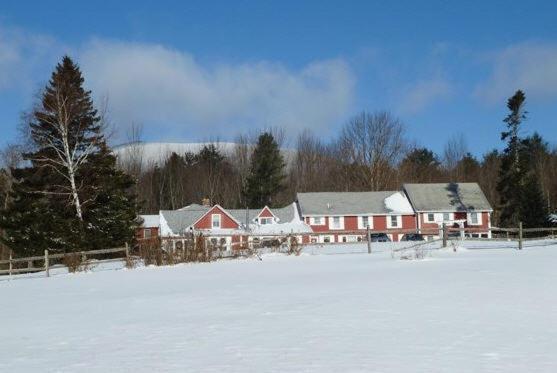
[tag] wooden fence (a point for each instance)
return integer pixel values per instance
(47, 257)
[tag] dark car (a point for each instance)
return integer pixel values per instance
(413, 237)
(379, 237)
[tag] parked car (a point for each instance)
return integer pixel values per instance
(413, 237)
(379, 237)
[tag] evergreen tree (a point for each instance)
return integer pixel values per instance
(522, 199)
(533, 206)
(69, 195)
(266, 173)
(511, 176)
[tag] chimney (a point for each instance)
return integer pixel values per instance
(206, 202)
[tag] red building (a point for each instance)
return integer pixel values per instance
(345, 216)
(457, 205)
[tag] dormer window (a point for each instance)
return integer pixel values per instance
(265, 221)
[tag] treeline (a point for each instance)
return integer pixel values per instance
(371, 152)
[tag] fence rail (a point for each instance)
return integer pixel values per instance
(47, 257)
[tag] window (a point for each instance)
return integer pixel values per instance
(215, 220)
(365, 221)
(147, 233)
(446, 216)
(336, 222)
(430, 217)
(265, 221)
(474, 218)
(394, 221)
(317, 220)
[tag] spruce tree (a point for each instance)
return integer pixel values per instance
(522, 199)
(511, 175)
(70, 195)
(266, 174)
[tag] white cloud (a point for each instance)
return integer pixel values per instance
(531, 67)
(153, 84)
(420, 95)
(23, 57)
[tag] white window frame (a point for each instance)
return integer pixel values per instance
(340, 222)
(426, 217)
(321, 220)
(145, 235)
(361, 224)
(398, 221)
(213, 221)
(478, 216)
(267, 219)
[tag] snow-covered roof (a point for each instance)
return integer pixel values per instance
(353, 203)
(289, 222)
(449, 197)
(150, 221)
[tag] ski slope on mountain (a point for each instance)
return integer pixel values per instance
(475, 310)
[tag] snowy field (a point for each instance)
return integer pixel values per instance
(476, 310)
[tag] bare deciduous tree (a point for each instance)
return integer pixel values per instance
(372, 144)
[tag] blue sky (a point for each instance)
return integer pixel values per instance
(206, 70)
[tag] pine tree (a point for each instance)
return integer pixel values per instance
(522, 198)
(69, 195)
(533, 206)
(266, 173)
(511, 175)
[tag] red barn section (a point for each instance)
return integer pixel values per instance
(145, 233)
(226, 221)
(351, 226)
(265, 213)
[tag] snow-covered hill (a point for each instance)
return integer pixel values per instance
(466, 311)
(158, 152)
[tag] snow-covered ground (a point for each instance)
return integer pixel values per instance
(490, 310)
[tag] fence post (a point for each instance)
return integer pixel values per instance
(127, 252)
(10, 264)
(520, 236)
(368, 236)
(444, 235)
(46, 264)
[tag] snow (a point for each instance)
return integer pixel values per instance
(398, 203)
(553, 218)
(150, 221)
(475, 310)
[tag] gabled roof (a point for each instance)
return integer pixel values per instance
(354, 203)
(176, 222)
(223, 210)
(450, 197)
(150, 221)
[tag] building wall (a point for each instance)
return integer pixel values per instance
(266, 213)
(140, 232)
(351, 227)
(226, 222)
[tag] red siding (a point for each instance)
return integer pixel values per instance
(319, 228)
(225, 221)
(265, 213)
(140, 232)
(350, 223)
(379, 223)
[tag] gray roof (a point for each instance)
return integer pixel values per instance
(284, 214)
(447, 197)
(179, 220)
(344, 203)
